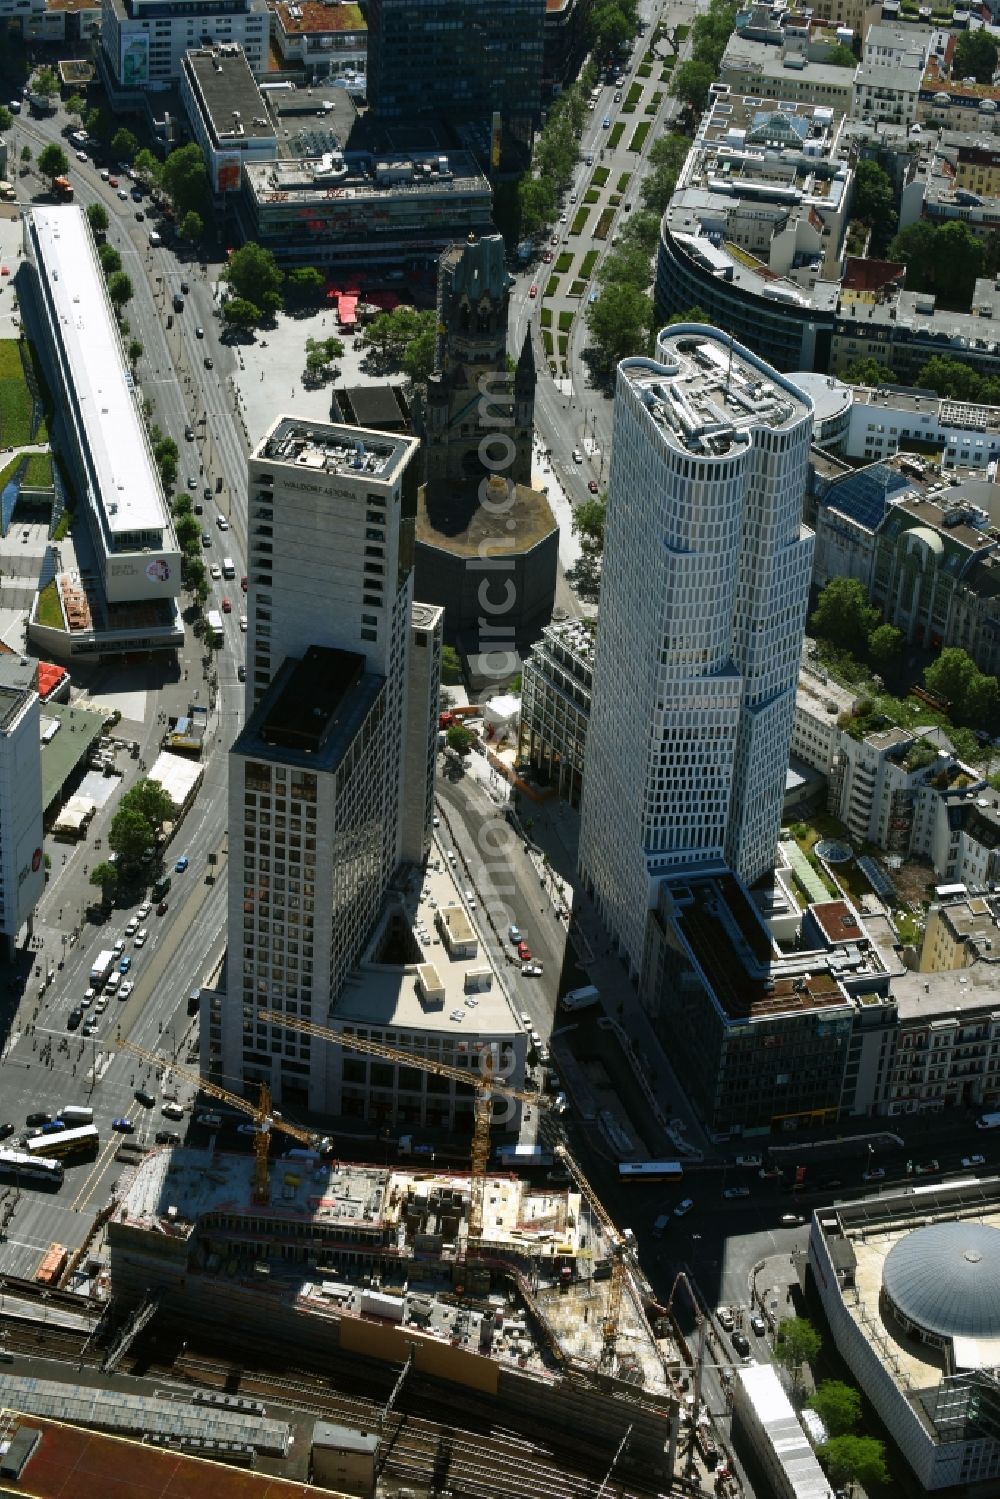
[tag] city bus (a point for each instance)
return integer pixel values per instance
(64, 1143)
(213, 627)
(650, 1171)
(23, 1168)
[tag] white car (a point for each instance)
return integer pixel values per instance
(123, 195)
(105, 174)
(577, 456)
(973, 1160)
(683, 1208)
(124, 990)
(119, 947)
(88, 998)
(532, 970)
(451, 856)
(131, 929)
(82, 156)
(222, 523)
(215, 571)
(144, 910)
(243, 623)
(140, 936)
(733, 1192)
(470, 899)
(101, 1005)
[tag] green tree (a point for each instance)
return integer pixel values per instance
(666, 157)
(837, 1404)
(134, 351)
(192, 226)
(418, 358)
(850, 1459)
(193, 572)
(950, 378)
(711, 31)
(110, 259)
(873, 195)
(611, 26)
(459, 738)
(239, 313)
(45, 82)
(537, 203)
(945, 260)
(252, 273)
(124, 145)
(305, 283)
(119, 290)
(130, 834)
(952, 677)
(975, 56)
(26, 154)
(868, 371)
(97, 218)
(6, 118)
(642, 232)
(693, 315)
(691, 82)
(840, 57)
(105, 878)
(619, 323)
(844, 616)
(182, 504)
(184, 176)
(982, 707)
(52, 161)
(149, 799)
(75, 105)
(884, 645)
(188, 532)
(147, 166)
(451, 665)
(588, 524)
(96, 122)
(796, 1342)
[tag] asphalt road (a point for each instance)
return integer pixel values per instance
(49, 1066)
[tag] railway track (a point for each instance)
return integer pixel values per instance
(479, 1461)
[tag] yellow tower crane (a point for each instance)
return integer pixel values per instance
(261, 1112)
(485, 1086)
(616, 1286)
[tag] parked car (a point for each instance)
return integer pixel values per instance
(162, 908)
(926, 1168)
(973, 1160)
(875, 1174)
(683, 1208)
(789, 1220)
(732, 1192)
(749, 1160)
(6, 1130)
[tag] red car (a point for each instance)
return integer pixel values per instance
(244, 584)
(593, 486)
(547, 257)
(524, 952)
(533, 292)
(162, 908)
(227, 607)
(112, 181)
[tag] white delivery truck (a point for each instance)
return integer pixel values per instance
(101, 970)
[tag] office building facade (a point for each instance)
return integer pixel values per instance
(317, 776)
(703, 601)
(462, 61)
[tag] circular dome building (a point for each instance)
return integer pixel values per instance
(943, 1282)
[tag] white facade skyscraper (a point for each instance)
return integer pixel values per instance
(318, 776)
(703, 601)
(22, 868)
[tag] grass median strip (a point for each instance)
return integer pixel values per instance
(601, 175)
(591, 196)
(617, 131)
(639, 138)
(565, 322)
(604, 224)
(587, 266)
(623, 182)
(579, 221)
(551, 287)
(563, 263)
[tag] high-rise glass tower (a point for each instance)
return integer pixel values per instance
(703, 602)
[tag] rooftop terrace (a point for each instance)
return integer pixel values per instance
(336, 448)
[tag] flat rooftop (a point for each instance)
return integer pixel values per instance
(230, 101)
(313, 19)
(337, 449)
(362, 177)
(748, 975)
(312, 710)
(121, 463)
(18, 683)
(708, 395)
(867, 1230)
(389, 995)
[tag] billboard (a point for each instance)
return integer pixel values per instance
(142, 575)
(135, 60)
(227, 173)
